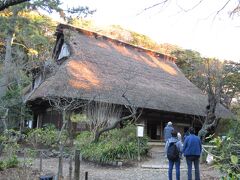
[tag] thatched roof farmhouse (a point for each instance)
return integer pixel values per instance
(92, 65)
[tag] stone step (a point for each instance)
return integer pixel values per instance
(161, 166)
(156, 144)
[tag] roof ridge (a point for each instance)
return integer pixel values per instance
(97, 34)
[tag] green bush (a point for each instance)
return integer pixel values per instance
(12, 162)
(115, 145)
(227, 152)
(9, 142)
(9, 146)
(46, 136)
(9, 163)
(2, 165)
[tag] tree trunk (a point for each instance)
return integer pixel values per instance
(70, 130)
(4, 120)
(70, 168)
(8, 65)
(60, 163)
(63, 125)
(21, 121)
(61, 147)
(71, 137)
(211, 120)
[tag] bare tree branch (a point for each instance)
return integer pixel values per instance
(157, 4)
(65, 104)
(114, 125)
(154, 5)
(235, 10)
(193, 7)
(221, 9)
(103, 116)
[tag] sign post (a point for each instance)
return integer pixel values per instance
(140, 133)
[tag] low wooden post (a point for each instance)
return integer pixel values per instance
(70, 168)
(40, 163)
(86, 175)
(60, 163)
(139, 157)
(77, 165)
(24, 158)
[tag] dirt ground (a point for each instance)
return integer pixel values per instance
(97, 172)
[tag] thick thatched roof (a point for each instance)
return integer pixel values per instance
(104, 69)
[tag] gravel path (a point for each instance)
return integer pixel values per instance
(97, 172)
(154, 168)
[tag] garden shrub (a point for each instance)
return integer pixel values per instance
(9, 142)
(227, 152)
(9, 146)
(115, 145)
(10, 162)
(46, 136)
(2, 165)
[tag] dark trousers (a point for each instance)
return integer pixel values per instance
(170, 168)
(195, 161)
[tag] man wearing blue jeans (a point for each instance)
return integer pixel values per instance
(171, 163)
(170, 169)
(192, 149)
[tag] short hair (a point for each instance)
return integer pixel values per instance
(169, 123)
(191, 130)
(174, 133)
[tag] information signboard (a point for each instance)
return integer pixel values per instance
(140, 131)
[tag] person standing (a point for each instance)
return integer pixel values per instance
(167, 131)
(192, 149)
(179, 136)
(173, 150)
(185, 135)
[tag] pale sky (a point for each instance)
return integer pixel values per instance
(196, 29)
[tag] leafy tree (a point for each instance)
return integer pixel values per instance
(82, 23)
(26, 39)
(6, 3)
(219, 86)
(191, 64)
(219, 80)
(12, 26)
(213, 73)
(195, 69)
(231, 84)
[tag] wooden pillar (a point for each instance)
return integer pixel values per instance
(161, 126)
(77, 165)
(145, 126)
(39, 120)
